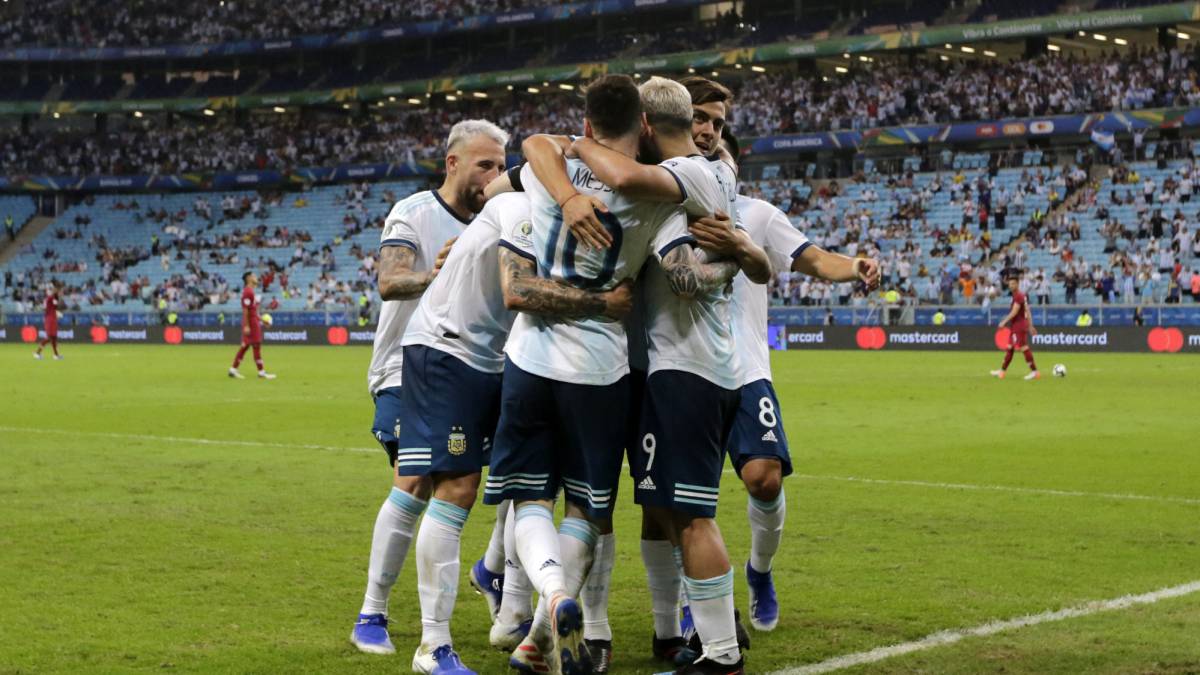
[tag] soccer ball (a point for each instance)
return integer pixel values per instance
(267, 321)
(1060, 370)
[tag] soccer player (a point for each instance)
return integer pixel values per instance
(1021, 320)
(563, 400)
(251, 329)
(416, 239)
(50, 321)
(691, 393)
(450, 400)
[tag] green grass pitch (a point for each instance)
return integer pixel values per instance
(126, 544)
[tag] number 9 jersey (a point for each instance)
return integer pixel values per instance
(593, 350)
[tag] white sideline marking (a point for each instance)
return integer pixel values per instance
(1005, 488)
(947, 637)
(849, 479)
(182, 439)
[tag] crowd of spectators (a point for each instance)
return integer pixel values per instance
(101, 23)
(884, 94)
(189, 256)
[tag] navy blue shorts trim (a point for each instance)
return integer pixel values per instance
(448, 413)
(685, 426)
(557, 435)
(386, 426)
(758, 428)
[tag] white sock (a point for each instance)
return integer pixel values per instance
(438, 543)
(577, 542)
(394, 528)
(493, 558)
(515, 605)
(663, 578)
(766, 529)
(595, 590)
(538, 547)
(677, 556)
(712, 611)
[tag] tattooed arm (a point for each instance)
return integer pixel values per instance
(525, 291)
(397, 280)
(689, 278)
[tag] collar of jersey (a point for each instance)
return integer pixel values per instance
(438, 197)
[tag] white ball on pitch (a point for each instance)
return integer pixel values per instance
(1060, 370)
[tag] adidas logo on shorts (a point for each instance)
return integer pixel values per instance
(646, 484)
(770, 436)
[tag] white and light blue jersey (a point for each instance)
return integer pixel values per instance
(773, 232)
(462, 312)
(422, 222)
(695, 335)
(594, 350)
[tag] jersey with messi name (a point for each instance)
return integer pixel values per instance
(592, 350)
(771, 230)
(422, 222)
(694, 335)
(462, 312)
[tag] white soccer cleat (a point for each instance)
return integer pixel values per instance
(37, 355)
(506, 636)
(264, 375)
(233, 372)
(1034, 375)
(58, 357)
(999, 374)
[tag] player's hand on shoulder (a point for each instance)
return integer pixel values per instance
(619, 301)
(442, 255)
(579, 214)
(716, 234)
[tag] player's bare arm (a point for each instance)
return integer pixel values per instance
(1029, 319)
(499, 185)
(689, 278)
(245, 321)
(398, 280)
(626, 175)
(817, 262)
(1012, 314)
(525, 291)
(546, 155)
(717, 235)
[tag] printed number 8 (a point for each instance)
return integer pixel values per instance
(766, 412)
(649, 445)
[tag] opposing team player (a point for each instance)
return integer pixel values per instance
(563, 403)
(416, 239)
(1021, 320)
(50, 321)
(251, 329)
(450, 398)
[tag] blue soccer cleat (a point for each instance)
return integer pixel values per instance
(764, 607)
(370, 635)
(567, 628)
(441, 661)
(490, 586)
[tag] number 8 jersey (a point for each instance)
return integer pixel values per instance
(595, 350)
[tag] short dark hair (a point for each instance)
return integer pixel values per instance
(612, 105)
(246, 276)
(731, 140)
(704, 90)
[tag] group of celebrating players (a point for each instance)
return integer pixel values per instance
(604, 300)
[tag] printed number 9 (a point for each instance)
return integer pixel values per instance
(766, 412)
(649, 445)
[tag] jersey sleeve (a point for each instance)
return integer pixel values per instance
(782, 238)
(701, 190)
(398, 231)
(671, 234)
(516, 233)
(247, 300)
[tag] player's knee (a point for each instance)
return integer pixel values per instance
(458, 489)
(420, 487)
(763, 479)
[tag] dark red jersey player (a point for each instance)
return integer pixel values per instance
(1021, 321)
(251, 329)
(50, 322)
